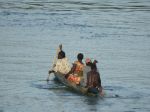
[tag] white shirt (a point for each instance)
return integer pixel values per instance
(62, 66)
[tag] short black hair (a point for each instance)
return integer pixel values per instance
(80, 56)
(62, 54)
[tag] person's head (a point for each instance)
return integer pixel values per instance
(80, 56)
(61, 55)
(88, 61)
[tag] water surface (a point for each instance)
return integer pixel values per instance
(115, 32)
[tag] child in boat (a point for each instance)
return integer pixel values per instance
(94, 80)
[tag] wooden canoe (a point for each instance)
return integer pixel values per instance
(72, 85)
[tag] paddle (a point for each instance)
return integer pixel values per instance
(54, 61)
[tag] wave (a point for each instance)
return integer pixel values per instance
(75, 5)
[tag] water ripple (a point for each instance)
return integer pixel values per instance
(74, 5)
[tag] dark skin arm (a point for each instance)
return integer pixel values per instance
(60, 47)
(100, 86)
(87, 83)
(99, 79)
(51, 71)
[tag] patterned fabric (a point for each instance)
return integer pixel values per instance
(79, 68)
(62, 66)
(74, 79)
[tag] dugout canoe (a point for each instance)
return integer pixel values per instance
(80, 89)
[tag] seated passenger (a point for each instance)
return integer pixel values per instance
(77, 70)
(62, 64)
(78, 65)
(94, 80)
(86, 69)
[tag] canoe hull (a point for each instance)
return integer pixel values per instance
(72, 85)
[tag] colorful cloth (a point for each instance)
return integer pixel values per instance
(74, 79)
(79, 68)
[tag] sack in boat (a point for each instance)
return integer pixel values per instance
(74, 79)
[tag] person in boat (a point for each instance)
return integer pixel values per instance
(77, 70)
(78, 65)
(86, 69)
(94, 80)
(62, 64)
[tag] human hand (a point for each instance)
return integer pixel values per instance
(60, 47)
(95, 61)
(50, 71)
